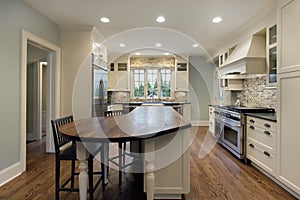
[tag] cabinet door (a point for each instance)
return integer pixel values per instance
(111, 77)
(187, 112)
(182, 82)
(182, 77)
(211, 121)
(170, 156)
(289, 32)
(289, 135)
(122, 82)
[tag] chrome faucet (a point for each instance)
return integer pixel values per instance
(238, 102)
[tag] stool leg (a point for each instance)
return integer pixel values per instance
(120, 163)
(72, 174)
(57, 174)
(124, 151)
(90, 174)
(103, 169)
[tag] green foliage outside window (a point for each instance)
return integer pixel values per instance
(139, 91)
(165, 89)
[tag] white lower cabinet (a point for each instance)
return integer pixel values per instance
(289, 137)
(167, 161)
(261, 143)
(261, 156)
(187, 112)
(211, 121)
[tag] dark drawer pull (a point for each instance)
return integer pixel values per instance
(251, 145)
(267, 153)
(267, 125)
(252, 121)
(267, 133)
(251, 127)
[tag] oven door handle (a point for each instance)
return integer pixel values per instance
(232, 125)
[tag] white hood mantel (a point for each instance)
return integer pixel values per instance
(248, 57)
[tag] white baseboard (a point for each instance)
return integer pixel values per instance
(199, 123)
(10, 173)
(281, 184)
(167, 196)
(30, 136)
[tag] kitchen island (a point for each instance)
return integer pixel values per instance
(165, 146)
(183, 108)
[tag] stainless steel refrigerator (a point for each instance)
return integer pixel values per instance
(100, 81)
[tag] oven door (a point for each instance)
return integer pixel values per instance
(232, 136)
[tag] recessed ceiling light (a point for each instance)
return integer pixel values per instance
(217, 20)
(160, 19)
(122, 45)
(137, 53)
(195, 45)
(105, 20)
(158, 44)
(166, 54)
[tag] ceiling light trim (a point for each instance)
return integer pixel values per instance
(217, 20)
(160, 19)
(105, 20)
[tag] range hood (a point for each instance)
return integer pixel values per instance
(248, 57)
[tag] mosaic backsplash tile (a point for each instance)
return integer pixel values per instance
(120, 97)
(255, 94)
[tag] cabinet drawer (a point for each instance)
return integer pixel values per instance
(265, 124)
(260, 156)
(265, 137)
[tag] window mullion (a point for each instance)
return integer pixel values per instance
(158, 83)
(145, 84)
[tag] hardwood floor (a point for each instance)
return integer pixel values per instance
(216, 176)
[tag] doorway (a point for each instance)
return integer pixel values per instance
(53, 58)
(36, 108)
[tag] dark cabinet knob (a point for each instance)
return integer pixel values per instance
(267, 125)
(251, 145)
(252, 121)
(267, 133)
(251, 127)
(267, 153)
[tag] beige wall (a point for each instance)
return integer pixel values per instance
(15, 15)
(76, 70)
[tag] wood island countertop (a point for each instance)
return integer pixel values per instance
(142, 123)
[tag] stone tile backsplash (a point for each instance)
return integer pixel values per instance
(255, 94)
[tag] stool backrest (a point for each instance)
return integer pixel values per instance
(59, 139)
(113, 113)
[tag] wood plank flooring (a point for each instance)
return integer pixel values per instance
(216, 176)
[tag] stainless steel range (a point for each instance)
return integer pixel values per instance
(230, 127)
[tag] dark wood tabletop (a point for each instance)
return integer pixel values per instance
(142, 123)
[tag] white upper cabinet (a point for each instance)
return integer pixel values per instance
(182, 76)
(289, 35)
(118, 77)
(271, 56)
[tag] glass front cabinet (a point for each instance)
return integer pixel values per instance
(272, 56)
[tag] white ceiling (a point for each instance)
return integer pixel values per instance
(133, 21)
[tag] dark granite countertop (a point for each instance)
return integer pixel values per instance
(212, 105)
(137, 103)
(266, 116)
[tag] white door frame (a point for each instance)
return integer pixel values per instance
(53, 89)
